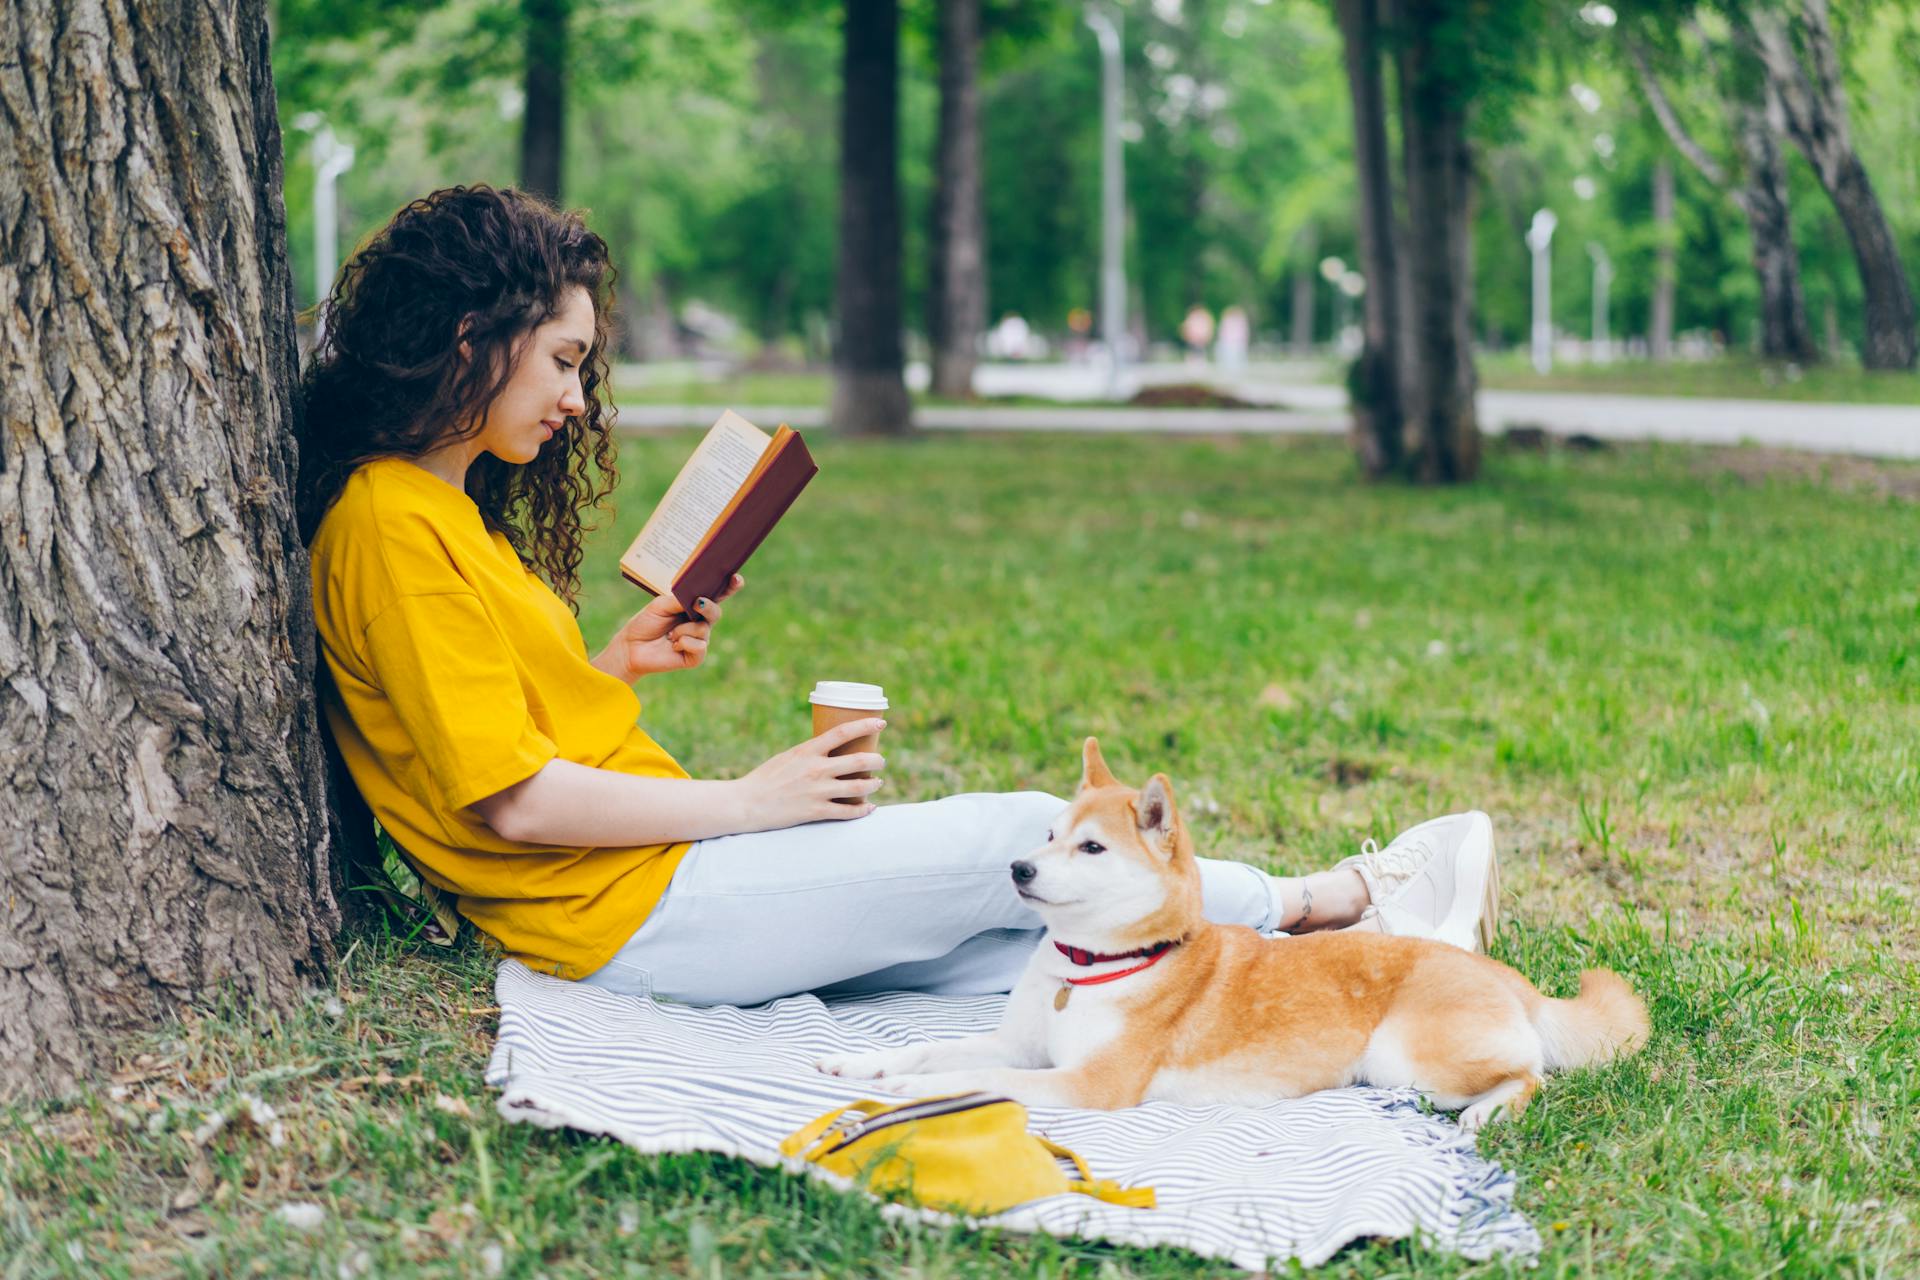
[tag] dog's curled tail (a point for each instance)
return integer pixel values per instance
(1606, 1020)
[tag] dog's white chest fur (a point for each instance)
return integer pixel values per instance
(1091, 1020)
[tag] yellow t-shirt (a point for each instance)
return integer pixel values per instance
(453, 672)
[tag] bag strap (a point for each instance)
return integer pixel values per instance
(800, 1143)
(1103, 1189)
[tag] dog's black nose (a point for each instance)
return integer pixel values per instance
(1023, 872)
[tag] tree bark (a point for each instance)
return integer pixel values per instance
(957, 280)
(1803, 68)
(1301, 341)
(164, 832)
(1784, 331)
(1761, 195)
(1374, 384)
(869, 391)
(1660, 321)
(1443, 425)
(543, 125)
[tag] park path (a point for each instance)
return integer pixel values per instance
(1882, 431)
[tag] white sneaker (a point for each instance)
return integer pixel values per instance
(1440, 879)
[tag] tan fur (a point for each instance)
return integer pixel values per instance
(1229, 1016)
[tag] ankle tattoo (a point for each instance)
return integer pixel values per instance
(1306, 905)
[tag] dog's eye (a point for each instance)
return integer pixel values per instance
(1092, 846)
(1049, 837)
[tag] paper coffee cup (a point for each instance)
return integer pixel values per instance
(838, 701)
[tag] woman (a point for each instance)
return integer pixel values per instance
(455, 432)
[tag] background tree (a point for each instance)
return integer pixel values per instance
(957, 264)
(1795, 42)
(1437, 88)
(1660, 321)
(1757, 188)
(1374, 385)
(869, 389)
(543, 118)
(165, 834)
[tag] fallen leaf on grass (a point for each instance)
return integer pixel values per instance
(452, 1106)
(1276, 697)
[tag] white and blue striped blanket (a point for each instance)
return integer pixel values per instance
(1252, 1186)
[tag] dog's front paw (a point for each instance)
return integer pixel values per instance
(906, 1086)
(865, 1066)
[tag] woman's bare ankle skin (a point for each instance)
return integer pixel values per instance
(1323, 900)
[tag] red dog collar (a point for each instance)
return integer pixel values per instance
(1083, 957)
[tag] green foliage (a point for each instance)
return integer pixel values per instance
(704, 139)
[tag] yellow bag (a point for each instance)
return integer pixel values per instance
(967, 1153)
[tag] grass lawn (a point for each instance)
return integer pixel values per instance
(1687, 698)
(1732, 378)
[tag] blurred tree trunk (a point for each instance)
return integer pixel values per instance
(1301, 341)
(869, 393)
(1753, 111)
(543, 125)
(1803, 66)
(1660, 322)
(1785, 333)
(1443, 424)
(165, 830)
(957, 278)
(1374, 384)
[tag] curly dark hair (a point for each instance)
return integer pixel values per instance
(483, 266)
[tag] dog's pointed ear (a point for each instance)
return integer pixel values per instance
(1156, 814)
(1095, 772)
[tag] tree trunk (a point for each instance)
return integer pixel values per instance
(543, 126)
(1803, 68)
(869, 393)
(1784, 331)
(164, 833)
(1754, 113)
(1374, 384)
(1301, 341)
(1660, 321)
(1443, 426)
(957, 280)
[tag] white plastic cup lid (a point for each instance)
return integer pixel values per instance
(848, 693)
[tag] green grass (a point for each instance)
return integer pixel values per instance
(1688, 698)
(1731, 377)
(636, 384)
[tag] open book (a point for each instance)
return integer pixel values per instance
(727, 497)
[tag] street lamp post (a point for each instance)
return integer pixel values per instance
(1113, 211)
(331, 158)
(1539, 238)
(1602, 278)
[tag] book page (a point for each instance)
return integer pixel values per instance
(724, 461)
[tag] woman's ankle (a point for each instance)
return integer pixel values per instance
(1323, 900)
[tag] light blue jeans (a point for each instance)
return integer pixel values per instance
(912, 897)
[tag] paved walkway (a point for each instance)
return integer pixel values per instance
(1885, 431)
(1864, 430)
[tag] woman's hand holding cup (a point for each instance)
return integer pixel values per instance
(807, 783)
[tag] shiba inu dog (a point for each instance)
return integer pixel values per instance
(1134, 995)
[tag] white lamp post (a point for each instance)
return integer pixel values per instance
(1113, 209)
(1602, 278)
(331, 158)
(1539, 238)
